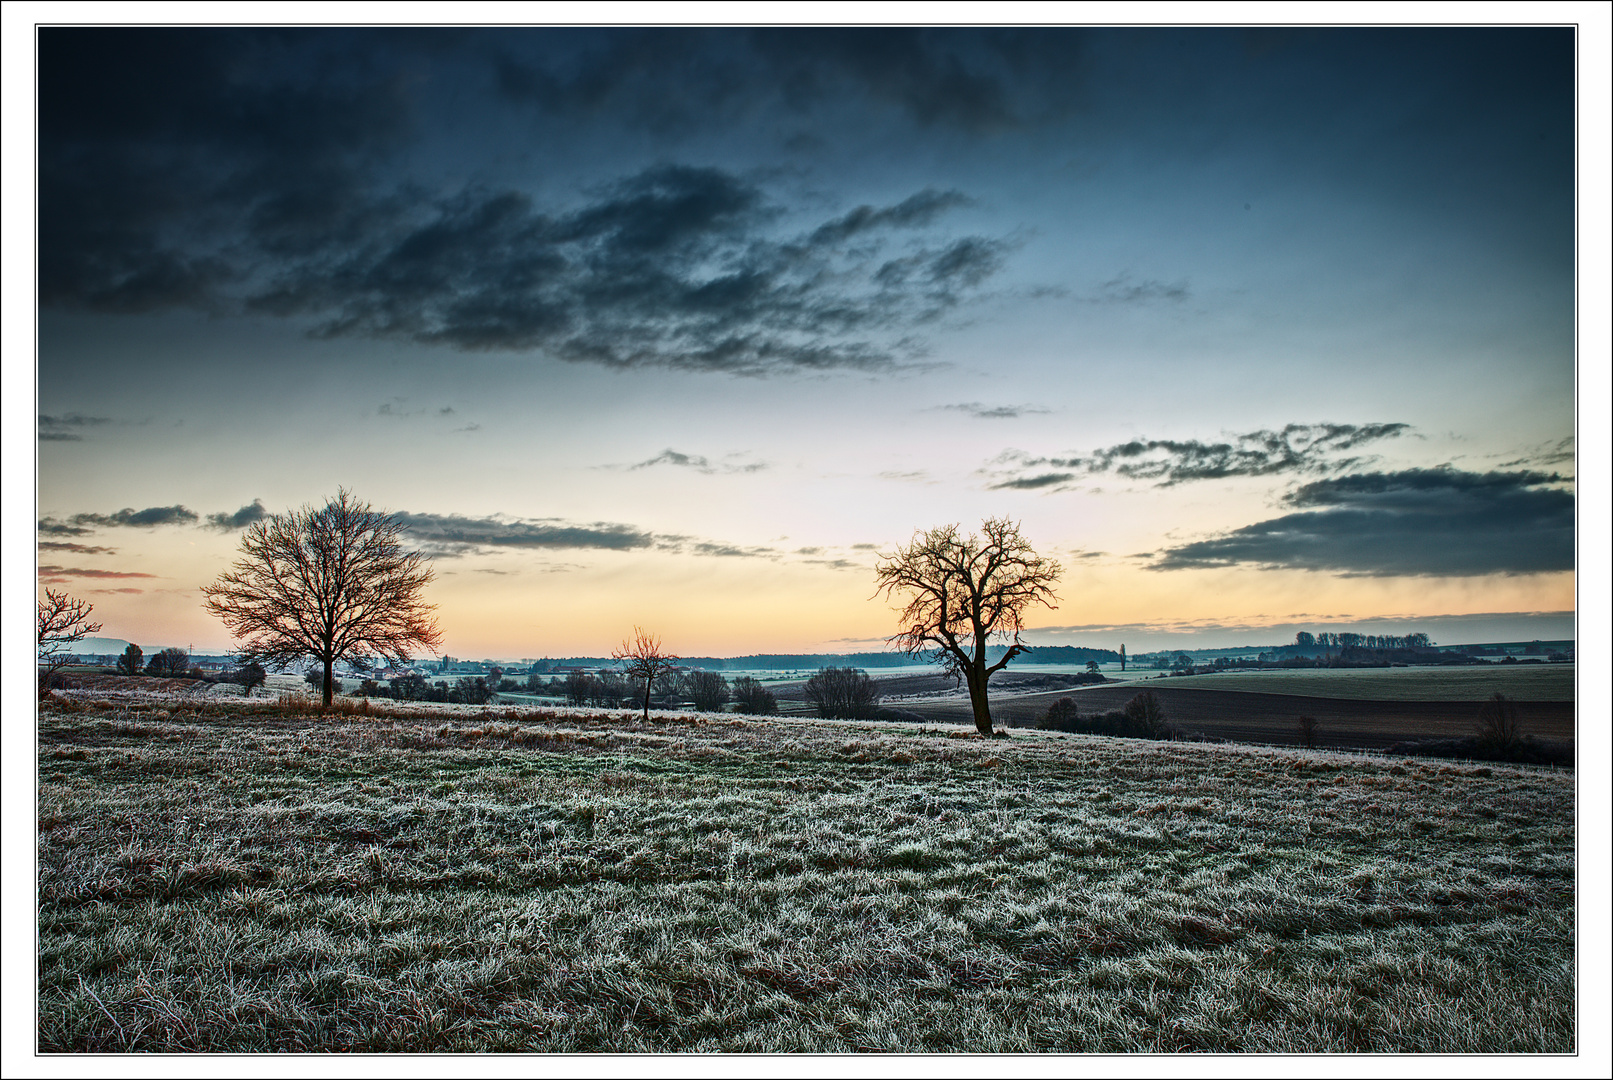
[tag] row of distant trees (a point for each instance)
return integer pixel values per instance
(1306, 640)
(705, 691)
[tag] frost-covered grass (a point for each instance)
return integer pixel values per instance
(219, 877)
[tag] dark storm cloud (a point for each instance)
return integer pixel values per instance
(240, 519)
(1420, 522)
(259, 171)
(67, 428)
(79, 524)
(1297, 448)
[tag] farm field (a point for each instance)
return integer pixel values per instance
(1524, 682)
(232, 876)
(1421, 703)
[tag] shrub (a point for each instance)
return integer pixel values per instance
(1143, 718)
(249, 676)
(1498, 724)
(1147, 715)
(170, 664)
(1307, 730)
(315, 679)
(751, 697)
(1062, 716)
(470, 690)
(843, 694)
(707, 690)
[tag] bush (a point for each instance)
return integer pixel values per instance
(470, 690)
(249, 676)
(751, 697)
(1061, 715)
(1148, 716)
(1498, 724)
(843, 694)
(169, 664)
(1142, 718)
(707, 690)
(315, 679)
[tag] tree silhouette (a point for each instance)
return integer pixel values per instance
(326, 585)
(964, 592)
(645, 661)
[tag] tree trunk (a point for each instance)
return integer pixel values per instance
(329, 671)
(977, 699)
(648, 684)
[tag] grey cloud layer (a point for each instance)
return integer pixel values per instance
(233, 171)
(1420, 522)
(243, 517)
(81, 524)
(151, 517)
(454, 534)
(1297, 448)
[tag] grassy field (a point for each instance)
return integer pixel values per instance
(218, 877)
(1522, 682)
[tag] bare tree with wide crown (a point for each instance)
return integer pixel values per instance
(328, 584)
(963, 593)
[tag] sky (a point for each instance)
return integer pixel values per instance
(1254, 330)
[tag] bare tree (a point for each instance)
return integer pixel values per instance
(645, 662)
(63, 621)
(964, 592)
(326, 585)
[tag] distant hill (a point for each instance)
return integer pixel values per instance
(103, 645)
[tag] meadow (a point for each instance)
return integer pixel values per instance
(247, 876)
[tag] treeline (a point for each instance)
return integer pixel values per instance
(1306, 640)
(703, 691)
(1041, 654)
